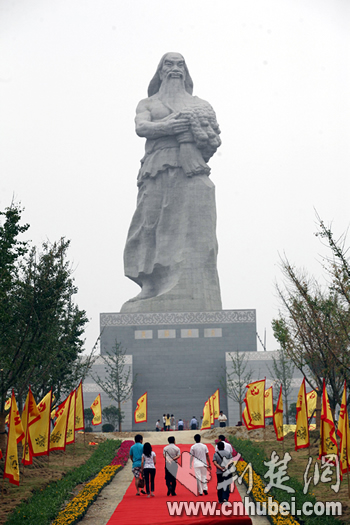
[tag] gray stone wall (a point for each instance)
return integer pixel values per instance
(179, 358)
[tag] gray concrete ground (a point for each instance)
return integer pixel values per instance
(102, 509)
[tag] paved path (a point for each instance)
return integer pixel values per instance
(109, 498)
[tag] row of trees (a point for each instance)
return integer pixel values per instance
(313, 329)
(41, 328)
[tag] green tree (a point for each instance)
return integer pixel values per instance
(112, 415)
(40, 326)
(88, 417)
(282, 372)
(292, 412)
(234, 384)
(119, 382)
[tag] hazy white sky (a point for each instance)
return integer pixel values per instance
(277, 75)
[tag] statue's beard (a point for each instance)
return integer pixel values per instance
(172, 86)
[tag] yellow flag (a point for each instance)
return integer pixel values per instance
(30, 415)
(8, 404)
(255, 403)
(344, 434)
(58, 435)
(216, 399)
(39, 432)
(140, 414)
(328, 441)
(245, 418)
(211, 408)
(206, 416)
(70, 436)
(301, 436)
(11, 469)
(311, 399)
(96, 408)
(278, 417)
(79, 408)
(17, 418)
(268, 402)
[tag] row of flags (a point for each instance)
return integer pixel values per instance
(211, 410)
(259, 401)
(33, 428)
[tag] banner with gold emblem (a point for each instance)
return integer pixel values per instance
(311, 399)
(70, 435)
(96, 408)
(58, 435)
(268, 402)
(206, 422)
(301, 436)
(39, 432)
(140, 414)
(79, 408)
(245, 418)
(343, 432)
(328, 441)
(11, 469)
(30, 415)
(211, 408)
(278, 418)
(255, 403)
(216, 399)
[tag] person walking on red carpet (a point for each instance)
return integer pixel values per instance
(201, 462)
(148, 467)
(136, 458)
(227, 445)
(220, 460)
(171, 453)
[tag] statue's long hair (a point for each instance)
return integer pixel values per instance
(155, 83)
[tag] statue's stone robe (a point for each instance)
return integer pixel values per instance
(171, 249)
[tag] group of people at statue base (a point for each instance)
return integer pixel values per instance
(144, 462)
(169, 423)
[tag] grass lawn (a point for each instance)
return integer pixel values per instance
(43, 471)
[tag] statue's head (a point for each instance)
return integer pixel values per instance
(172, 65)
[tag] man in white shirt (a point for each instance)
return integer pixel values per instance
(200, 459)
(171, 453)
(228, 446)
(222, 419)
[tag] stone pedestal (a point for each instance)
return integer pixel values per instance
(179, 358)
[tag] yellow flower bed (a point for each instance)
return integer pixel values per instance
(78, 506)
(259, 495)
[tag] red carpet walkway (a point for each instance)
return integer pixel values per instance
(140, 510)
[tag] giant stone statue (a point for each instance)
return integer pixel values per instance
(171, 248)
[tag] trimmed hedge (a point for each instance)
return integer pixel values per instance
(256, 456)
(43, 507)
(107, 427)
